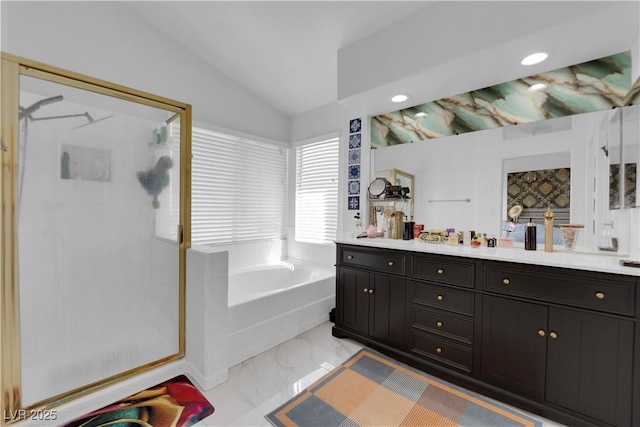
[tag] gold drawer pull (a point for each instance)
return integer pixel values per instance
(440, 297)
(553, 335)
(541, 333)
(438, 350)
(370, 291)
(366, 290)
(349, 256)
(600, 295)
(506, 281)
(390, 263)
(439, 324)
(440, 271)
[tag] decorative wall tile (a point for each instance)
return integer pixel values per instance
(591, 86)
(539, 189)
(355, 141)
(355, 125)
(354, 187)
(354, 157)
(354, 171)
(354, 203)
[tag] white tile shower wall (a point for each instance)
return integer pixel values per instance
(321, 253)
(86, 247)
(249, 253)
(207, 306)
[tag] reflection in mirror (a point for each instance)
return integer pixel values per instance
(621, 148)
(98, 206)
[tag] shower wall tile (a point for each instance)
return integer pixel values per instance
(207, 307)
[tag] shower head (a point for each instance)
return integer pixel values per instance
(91, 120)
(26, 112)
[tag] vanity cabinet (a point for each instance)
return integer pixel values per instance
(442, 310)
(563, 343)
(372, 303)
(578, 359)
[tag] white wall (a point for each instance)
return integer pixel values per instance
(105, 40)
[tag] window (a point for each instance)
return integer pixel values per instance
(238, 189)
(317, 191)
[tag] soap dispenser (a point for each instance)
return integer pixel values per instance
(548, 230)
(530, 238)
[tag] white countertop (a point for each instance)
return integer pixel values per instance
(558, 258)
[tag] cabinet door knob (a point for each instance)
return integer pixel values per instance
(438, 350)
(366, 290)
(541, 333)
(370, 291)
(440, 271)
(440, 297)
(553, 335)
(439, 324)
(349, 256)
(600, 295)
(506, 281)
(390, 263)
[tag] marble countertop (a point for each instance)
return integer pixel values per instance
(559, 258)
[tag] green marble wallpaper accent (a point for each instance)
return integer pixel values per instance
(591, 86)
(633, 97)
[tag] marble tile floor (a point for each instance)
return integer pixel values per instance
(261, 384)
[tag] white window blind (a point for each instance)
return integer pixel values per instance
(238, 189)
(317, 191)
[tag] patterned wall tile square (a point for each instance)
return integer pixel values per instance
(355, 125)
(354, 203)
(354, 157)
(354, 187)
(355, 141)
(354, 171)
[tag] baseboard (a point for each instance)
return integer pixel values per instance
(207, 383)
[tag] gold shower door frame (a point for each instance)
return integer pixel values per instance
(10, 364)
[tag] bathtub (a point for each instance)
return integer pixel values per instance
(269, 304)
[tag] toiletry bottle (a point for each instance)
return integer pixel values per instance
(608, 242)
(530, 236)
(548, 230)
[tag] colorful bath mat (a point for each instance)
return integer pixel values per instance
(173, 403)
(371, 389)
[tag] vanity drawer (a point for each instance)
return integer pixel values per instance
(442, 323)
(607, 293)
(444, 270)
(457, 355)
(442, 297)
(377, 260)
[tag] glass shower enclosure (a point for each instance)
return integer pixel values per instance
(95, 224)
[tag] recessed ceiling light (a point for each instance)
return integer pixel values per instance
(420, 114)
(534, 58)
(537, 87)
(399, 98)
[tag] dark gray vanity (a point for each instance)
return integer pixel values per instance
(562, 342)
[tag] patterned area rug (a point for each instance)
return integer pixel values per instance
(173, 403)
(371, 389)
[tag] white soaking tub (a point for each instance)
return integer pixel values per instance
(269, 304)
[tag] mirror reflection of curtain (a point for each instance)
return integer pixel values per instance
(629, 188)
